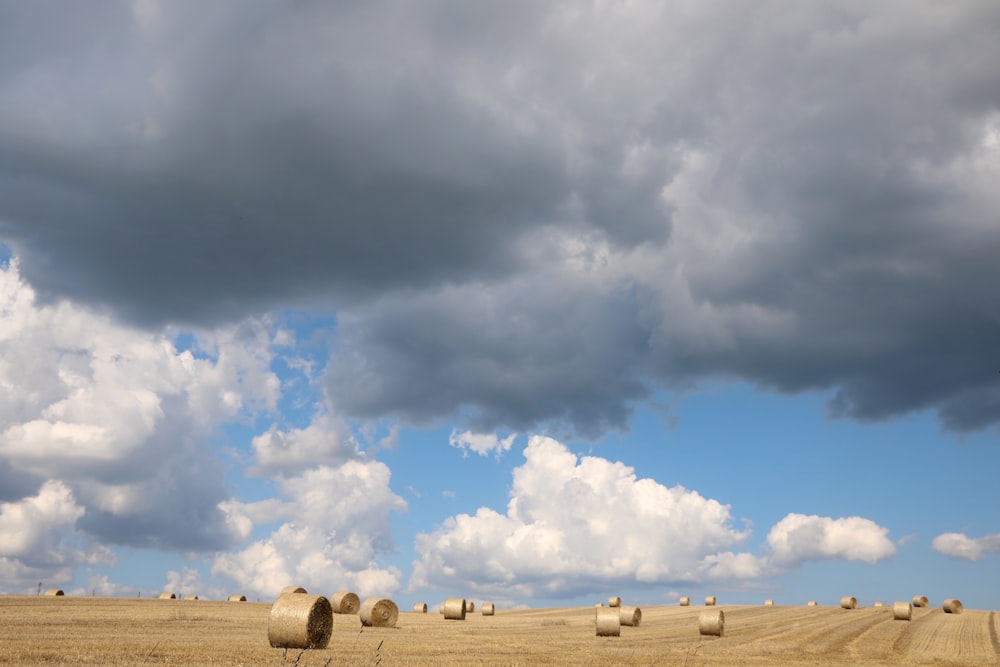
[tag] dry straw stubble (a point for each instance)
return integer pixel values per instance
(712, 622)
(345, 602)
(608, 621)
(300, 621)
(378, 613)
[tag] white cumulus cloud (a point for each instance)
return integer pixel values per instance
(334, 519)
(483, 444)
(798, 538)
(39, 539)
(122, 417)
(960, 545)
(572, 521)
(574, 524)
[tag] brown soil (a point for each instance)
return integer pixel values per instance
(117, 631)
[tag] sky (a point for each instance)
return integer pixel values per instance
(529, 303)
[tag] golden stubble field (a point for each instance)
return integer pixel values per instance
(37, 630)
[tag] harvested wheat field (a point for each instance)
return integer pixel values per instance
(40, 630)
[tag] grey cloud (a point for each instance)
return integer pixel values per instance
(213, 176)
(402, 159)
(16, 484)
(545, 350)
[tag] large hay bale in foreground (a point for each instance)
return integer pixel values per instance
(378, 613)
(489, 609)
(54, 592)
(920, 601)
(420, 607)
(848, 602)
(454, 609)
(167, 596)
(685, 601)
(630, 616)
(345, 602)
(710, 601)
(902, 611)
(289, 590)
(237, 598)
(615, 601)
(300, 621)
(609, 622)
(952, 606)
(712, 622)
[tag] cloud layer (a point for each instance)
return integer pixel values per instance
(607, 199)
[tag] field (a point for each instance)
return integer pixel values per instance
(40, 630)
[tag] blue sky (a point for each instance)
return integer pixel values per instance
(533, 304)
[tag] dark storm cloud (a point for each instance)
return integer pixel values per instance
(801, 196)
(206, 166)
(536, 350)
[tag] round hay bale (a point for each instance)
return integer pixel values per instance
(630, 616)
(768, 603)
(345, 602)
(237, 598)
(287, 590)
(952, 606)
(848, 602)
(712, 622)
(300, 621)
(878, 603)
(614, 601)
(609, 622)
(920, 601)
(190, 597)
(470, 607)
(710, 601)
(167, 596)
(454, 609)
(489, 609)
(379, 613)
(902, 611)
(54, 592)
(685, 601)
(420, 607)
(811, 603)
